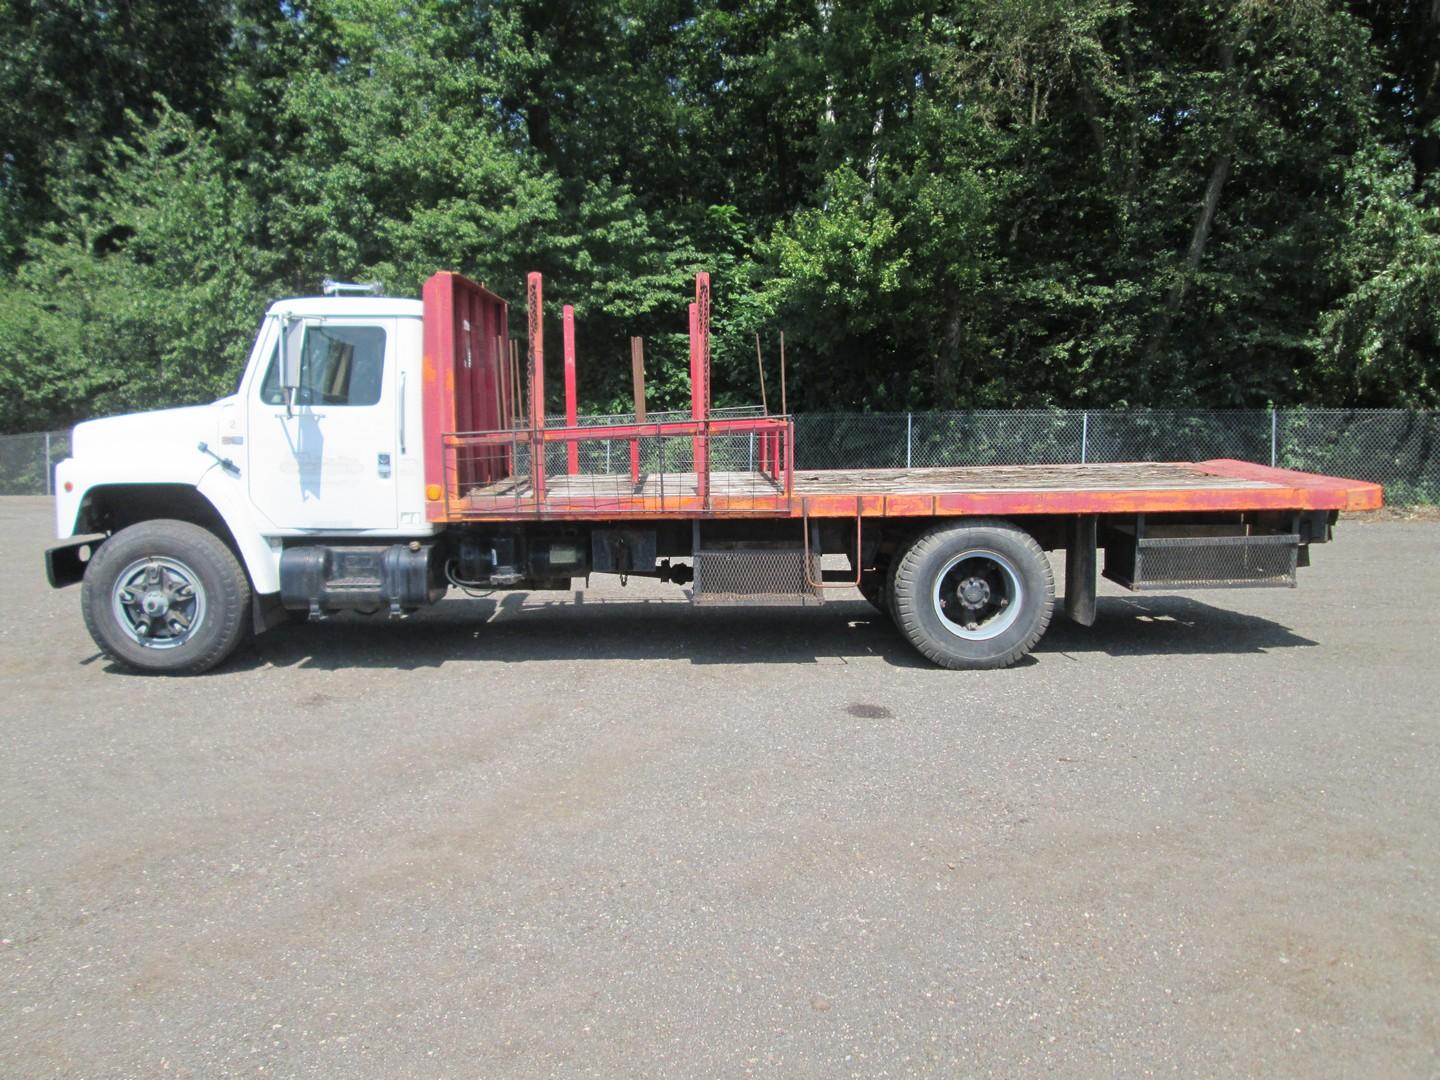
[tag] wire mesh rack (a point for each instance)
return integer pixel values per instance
(726, 465)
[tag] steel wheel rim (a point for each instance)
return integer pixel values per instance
(966, 609)
(158, 602)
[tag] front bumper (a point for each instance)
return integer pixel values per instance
(65, 563)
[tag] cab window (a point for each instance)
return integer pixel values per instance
(340, 365)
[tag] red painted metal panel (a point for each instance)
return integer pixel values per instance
(1328, 492)
(447, 382)
(466, 378)
(702, 303)
(486, 409)
(698, 407)
(906, 506)
(437, 403)
(572, 452)
(535, 304)
(1149, 501)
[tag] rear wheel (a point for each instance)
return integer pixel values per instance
(977, 595)
(166, 597)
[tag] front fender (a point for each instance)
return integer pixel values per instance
(76, 479)
(227, 494)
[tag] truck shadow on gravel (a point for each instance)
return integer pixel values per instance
(1167, 626)
(518, 628)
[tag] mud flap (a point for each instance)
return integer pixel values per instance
(1080, 570)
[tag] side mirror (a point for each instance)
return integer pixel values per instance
(292, 347)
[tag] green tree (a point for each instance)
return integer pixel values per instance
(963, 202)
(144, 294)
(1380, 342)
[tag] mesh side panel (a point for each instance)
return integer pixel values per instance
(23, 464)
(1394, 447)
(1178, 435)
(751, 575)
(988, 437)
(851, 440)
(1200, 562)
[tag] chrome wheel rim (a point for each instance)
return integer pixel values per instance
(158, 602)
(978, 595)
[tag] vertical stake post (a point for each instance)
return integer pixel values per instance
(572, 448)
(702, 311)
(535, 296)
(637, 376)
(760, 363)
(517, 385)
(775, 449)
(499, 368)
(697, 402)
(784, 405)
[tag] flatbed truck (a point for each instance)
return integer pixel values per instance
(380, 452)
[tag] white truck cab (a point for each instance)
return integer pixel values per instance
(326, 445)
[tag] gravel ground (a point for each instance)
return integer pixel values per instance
(603, 834)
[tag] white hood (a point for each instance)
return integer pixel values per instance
(166, 434)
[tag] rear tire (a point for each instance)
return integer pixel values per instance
(166, 597)
(977, 595)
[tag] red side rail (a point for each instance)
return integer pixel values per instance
(587, 494)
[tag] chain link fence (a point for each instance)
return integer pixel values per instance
(27, 462)
(1395, 447)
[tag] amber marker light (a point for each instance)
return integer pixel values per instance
(432, 492)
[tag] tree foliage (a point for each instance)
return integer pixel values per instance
(947, 204)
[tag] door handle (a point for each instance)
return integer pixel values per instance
(402, 414)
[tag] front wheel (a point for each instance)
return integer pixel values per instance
(166, 597)
(976, 595)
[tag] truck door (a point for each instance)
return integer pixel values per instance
(328, 462)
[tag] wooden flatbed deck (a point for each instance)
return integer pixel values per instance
(1141, 487)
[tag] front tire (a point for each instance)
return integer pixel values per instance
(166, 597)
(977, 595)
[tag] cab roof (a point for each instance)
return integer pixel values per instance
(373, 307)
